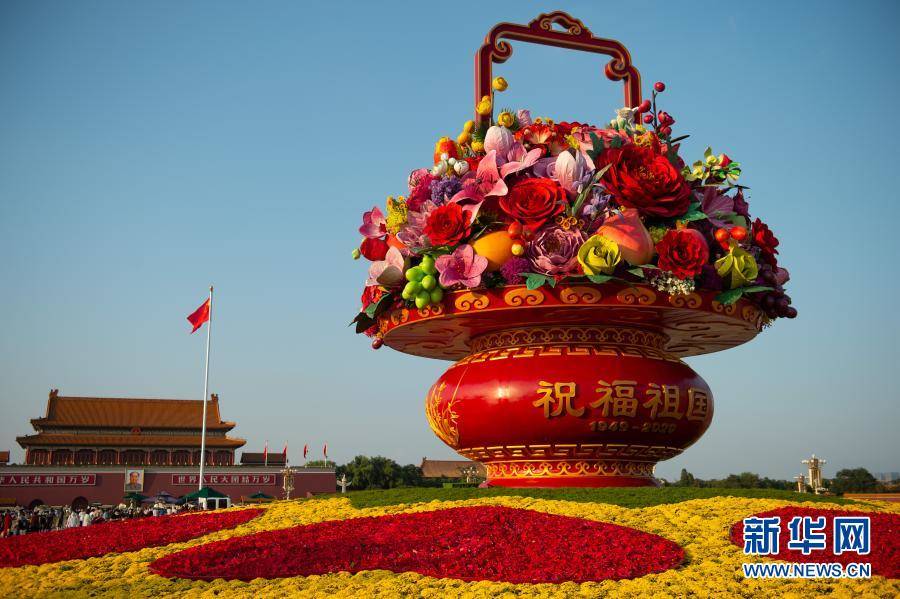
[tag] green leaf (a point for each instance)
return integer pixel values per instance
(729, 297)
(733, 295)
(637, 271)
(693, 213)
(534, 280)
(599, 278)
(756, 288)
(596, 146)
(363, 321)
(376, 308)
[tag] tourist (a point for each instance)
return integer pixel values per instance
(73, 520)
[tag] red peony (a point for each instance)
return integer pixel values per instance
(373, 248)
(643, 178)
(533, 202)
(766, 241)
(683, 252)
(447, 225)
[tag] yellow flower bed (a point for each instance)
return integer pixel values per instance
(701, 527)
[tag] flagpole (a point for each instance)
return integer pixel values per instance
(205, 392)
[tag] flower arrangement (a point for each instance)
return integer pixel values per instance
(703, 528)
(115, 537)
(522, 200)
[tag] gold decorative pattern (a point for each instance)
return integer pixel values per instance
(690, 300)
(580, 295)
(564, 334)
(399, 316)
(573, 451)
(472, 301)
(442, 420)
(639, 295)
(522, 296)
(431, 310)
(580, 468)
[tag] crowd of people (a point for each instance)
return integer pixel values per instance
(19, 521)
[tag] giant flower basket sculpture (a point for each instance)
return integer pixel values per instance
(566, 269)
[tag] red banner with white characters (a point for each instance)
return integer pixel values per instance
(225, 479)
(46, 480)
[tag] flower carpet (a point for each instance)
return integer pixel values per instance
(490, 546)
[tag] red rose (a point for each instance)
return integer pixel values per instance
(765, 241)
(447, 225)
(373, 248)
(643, 178)
(534, 201)
(683, 252)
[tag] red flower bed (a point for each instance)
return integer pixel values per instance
(469, 543)
(885, 540)
(114, 537)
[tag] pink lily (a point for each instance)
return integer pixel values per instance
(479, 186)
(374, 224)
(390, 271)
(570, 171)
(519, 159)
(462, 267)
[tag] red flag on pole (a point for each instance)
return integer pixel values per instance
(266, 453)
(325, 451)
(199, 316)
(284, 452)
(305, 450)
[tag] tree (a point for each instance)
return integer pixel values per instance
(686, 480)
(853, 479)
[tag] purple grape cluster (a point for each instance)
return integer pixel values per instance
(775, 303)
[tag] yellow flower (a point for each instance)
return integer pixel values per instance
(506, 119)
(485, 106)
(599, 255)
(478, 146)
(737, 267)
(644, 139)
(499, 84)
(396, 214)
(468, 126)
(463, 138)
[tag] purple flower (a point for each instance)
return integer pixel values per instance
(709, 278)
(740, 204)
(554, 250)
(513, 268)
(716, 206)
(462, 267)
(444, 189)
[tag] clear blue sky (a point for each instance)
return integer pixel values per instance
(149, 149)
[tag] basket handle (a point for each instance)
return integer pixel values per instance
(541, 31)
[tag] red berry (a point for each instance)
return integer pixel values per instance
(739, 233)
(514, 229)
(648, 118)
(722, 235)
(665, 131)
(665, 118)
(644, 107)
(377, 342)
(659, 86)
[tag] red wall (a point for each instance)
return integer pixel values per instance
(110, 483)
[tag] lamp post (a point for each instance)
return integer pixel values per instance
(815, 473)
(287, 476)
